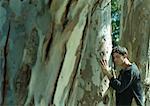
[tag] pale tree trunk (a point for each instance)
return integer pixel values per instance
(135, 35)
(48, 52)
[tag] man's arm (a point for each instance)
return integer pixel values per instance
(123, 83)
(119, 85)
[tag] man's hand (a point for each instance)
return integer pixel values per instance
(104, 65)
(105, 68)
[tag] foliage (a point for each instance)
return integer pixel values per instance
(115, 14)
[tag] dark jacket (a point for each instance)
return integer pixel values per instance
(128, 86)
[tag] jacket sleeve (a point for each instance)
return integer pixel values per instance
(123, 83)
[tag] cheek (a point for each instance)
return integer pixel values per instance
(116, 60)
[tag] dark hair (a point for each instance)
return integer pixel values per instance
(120, 50)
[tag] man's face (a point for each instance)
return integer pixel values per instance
(118, 59)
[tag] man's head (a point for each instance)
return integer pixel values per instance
(119, 55)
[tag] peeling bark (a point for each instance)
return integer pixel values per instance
(51, 52)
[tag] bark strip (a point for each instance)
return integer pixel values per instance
(5, 83)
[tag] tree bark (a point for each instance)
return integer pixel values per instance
(48, 52)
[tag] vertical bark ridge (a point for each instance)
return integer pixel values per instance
(5, 83)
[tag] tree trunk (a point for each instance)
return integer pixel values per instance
(48, 52)
(135, 31)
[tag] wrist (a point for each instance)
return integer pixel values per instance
(108, 73)
(108, 69)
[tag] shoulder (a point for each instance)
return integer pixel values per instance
(132, 69)
(135, 70)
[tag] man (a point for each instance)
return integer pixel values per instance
(128, 83)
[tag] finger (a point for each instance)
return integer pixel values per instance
(101, 61)
(102, 64)
(106, 62)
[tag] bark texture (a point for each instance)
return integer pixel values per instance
(48, 52)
